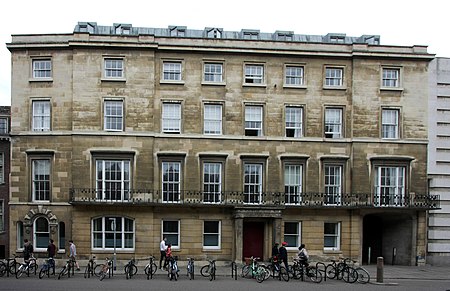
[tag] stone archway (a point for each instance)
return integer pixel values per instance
(40, 211)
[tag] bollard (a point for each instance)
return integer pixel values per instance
(380, 267)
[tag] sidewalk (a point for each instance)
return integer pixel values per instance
(426, 272)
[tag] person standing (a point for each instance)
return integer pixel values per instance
(162, 249)
(283, 254)
(303, 255)
(51, 250)
(73, 253)
(27, 250)
(275, 251)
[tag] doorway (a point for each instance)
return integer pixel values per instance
(253, 239)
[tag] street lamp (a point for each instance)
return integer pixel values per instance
(113, 227)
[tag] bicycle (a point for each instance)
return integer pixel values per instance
(341, 271)
(150, 268)
(209, 270)
(105, 269)
(173, 268)
(26, 267)
(68, 267)
(363, 275)
(190, 268)
(90, 268)
(255, 270)
(130, 269)
(301, 269)
(49, 264)
(9, 266)
(278, 271)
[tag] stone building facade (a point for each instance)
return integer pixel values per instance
(223, 142)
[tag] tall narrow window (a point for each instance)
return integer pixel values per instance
(292, 234)
(171, 118)
(294, 119)
(171, 231)
(293, 183)
(391, 78)
(2, 168)
(211, 234)
(113, 180)
(212, 182)
(390, 185)
(332, 236)
(114, 68)
(333, 123)
(390, 123)
(213, 72)
(41, 179)
(41, 115)
(254, 74)
(171, 181)
(113, 115)
(172, 71)
(333, 184)
(20, 232)
(41, 233)
(334, 77)
(2, 216)
(62, 235)
(112, 232)
(3, 125)
(253, 183)
(293, 75)
(253, 120)
(212, 123)
(42, 68)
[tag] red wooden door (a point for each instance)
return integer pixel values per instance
(253, 239)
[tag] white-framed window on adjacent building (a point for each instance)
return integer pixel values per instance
(332, 236)
(254, 74)
(390, 120)
(253, 183)
(171, 231)
(390, 184)
(41, 233)
(212, 234)
(3, 125)
(294, 121)
(293, 183)
(172, 71)
(334, 77)
(2, 168)
(113, 115)
(114, 68)
(2, 215)
(41, 118)
(171, 117)
(171, 181)
(42, 68)
(212, 120)
(253, 120)
(390, 78)
(112, 179)
(212, 182)
(333, 177)
(40, 172)
(292, 234)
(333, 122)
(113, 232)
(294, 75)
(213, 72)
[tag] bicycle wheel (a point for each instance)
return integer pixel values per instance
(63, 272)
(32, 267)
(42, 272)
(246, 271)
(363, 275)
(330, 272)
(98, 269)
(212, 274)
(284, 274)
(102, 275)
(266, 271)
(204, 271)
(2, 269)
(20, 271)
(260, 275)
(349, 275)
(314, 275)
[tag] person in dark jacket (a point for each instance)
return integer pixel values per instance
(275, 251)
(283, 254)
(51, 250)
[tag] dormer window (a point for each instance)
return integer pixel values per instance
(213, 32)
(284, 35)
(87, 27)
(250, 34)
(178, 31)
(122, 29)
(335, 37)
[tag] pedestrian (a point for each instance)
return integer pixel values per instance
(27, 250)
(303, 255)
(275, 251)
(162, 249)
(73, 253)
(51, 250)
(168, 255)
(283, 254)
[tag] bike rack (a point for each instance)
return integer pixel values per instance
(234, 270)
(324, 269)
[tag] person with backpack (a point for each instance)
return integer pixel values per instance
(303, 255)
(27, 250)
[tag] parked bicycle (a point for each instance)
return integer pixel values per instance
(255, 270)
(190, 268)
(130, 269)
(49, 265)
(363, 275)
(299, 270)
(150, 268)
(105, 269)
(26, 267)
(9, 266)
(341, 270)
(278, 271)
(68, 267)
(90, 269)
(172, 269)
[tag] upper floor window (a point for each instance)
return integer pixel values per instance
(390, 185)
(333, 184)
(114, 68)
(253, 183)
(254, 74)
(171, 181)
(334, 77)
(212, 119)
(41, 232)
(172, 71)
(212, 182)
(40, 170)
(390, 123)
(113, 115)
(332, 236)
(3, 125)
(113, 179)
(253, 120)
(171, 118)
(41, 115)
(333, 122)
(2, 168)
(391, 78)
(2, 219)
(211, 234)
(293, 180)
(293, 75)
(42, 68)
(284, 35)
(294, 120)
(112, 232)
(213, 72)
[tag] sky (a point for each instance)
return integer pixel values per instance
(397, 22)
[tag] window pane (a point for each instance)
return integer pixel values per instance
(171, 115)
(41, 115)
(213, 119)
(114, 115)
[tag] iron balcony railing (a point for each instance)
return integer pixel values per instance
(235, 198)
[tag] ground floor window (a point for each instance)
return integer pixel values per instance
(171, 231)
(62, 235)
(332, 236)
(292, 234)
(41, 233)
(110, 231)
(211, 234)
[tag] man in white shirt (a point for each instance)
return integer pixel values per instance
(162, 249)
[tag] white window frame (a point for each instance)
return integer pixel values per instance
(171, 117)
(121, 193)
(390, 121)
(297, 236)
(294, 121)
(168, 234)
(213, 72)
(294, 75)
(2, 168)
(212, 119)
(38, 181)
(3, 125)
(107, 230)
(333, 122)
(254, 74)
(41, 119)
(390, 195)
(253, 190)
(36, 234)
(218, 235)
(212, 190)
(336, 235)
(293, 183)
(334, 77)
(113, 115)
(333, 183)
(390, 78)
(254, 120)
(42, 69)
(172, 71)
(114, 68)
(171, 187)
(2, 215)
